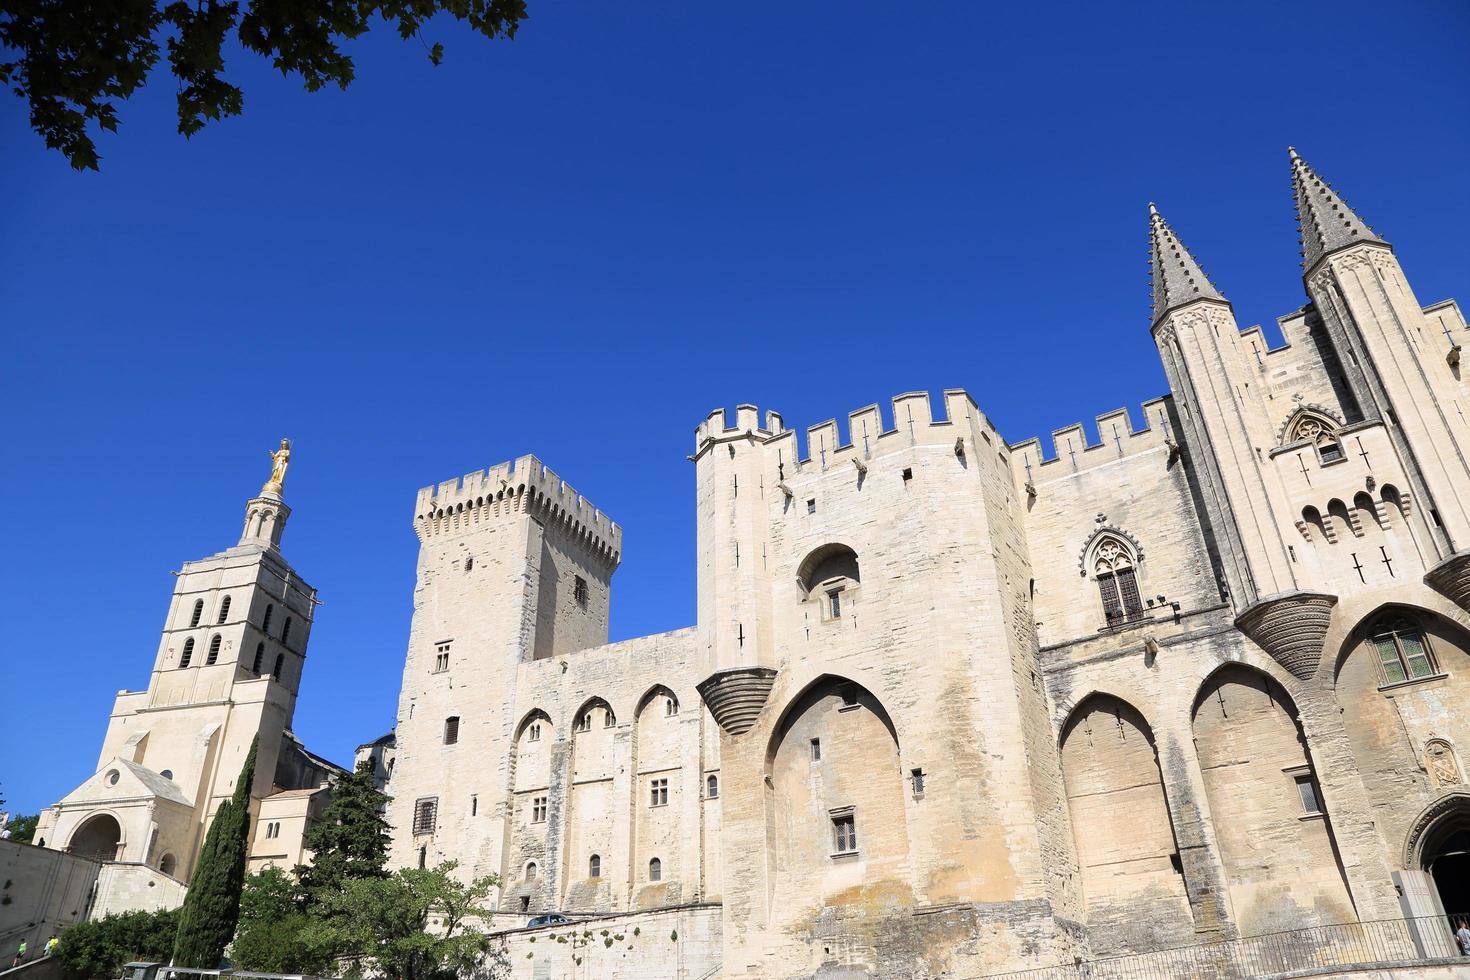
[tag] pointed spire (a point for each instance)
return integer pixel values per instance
(1324, 221)
(1177, 277)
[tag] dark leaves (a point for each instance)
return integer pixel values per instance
(74, 59)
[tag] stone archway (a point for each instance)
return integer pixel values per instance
(99, 838)
(1439, 844)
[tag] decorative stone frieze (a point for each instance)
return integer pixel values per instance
(1291, 627)
(1452, 578)
(736, 696)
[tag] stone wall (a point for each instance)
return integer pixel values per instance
(41, 892)
(671, 944)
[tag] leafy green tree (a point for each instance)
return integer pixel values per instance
(23, 829)
(99, 948)
(71, 61)
(411, 925)
(212, 906)
(271, 936)
(350, 840)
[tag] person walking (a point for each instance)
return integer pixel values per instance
(1462, 936)
(51, 945)
(20, 955)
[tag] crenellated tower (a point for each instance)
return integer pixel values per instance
(514, 567)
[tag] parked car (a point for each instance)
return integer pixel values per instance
(549, 919)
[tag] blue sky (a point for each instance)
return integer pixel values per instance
(578, 243)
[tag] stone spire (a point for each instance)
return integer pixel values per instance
(1177, 277)
(1324, 221)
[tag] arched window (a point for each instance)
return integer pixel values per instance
(213, 650)
(712, 787)
(531, 871)
(655, 870)
(1320, 431)
(224, 609)
(188, 652)
(286, 630)
(198, 612)
(594, 866)
(1403, 650)
(1117, 580)
(259, 658)
(280, 662)
(826, 574)
(671, 707)
(166, 864)
(265, 624)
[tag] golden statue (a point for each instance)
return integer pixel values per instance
(279, 461)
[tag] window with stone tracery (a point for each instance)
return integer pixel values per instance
(1113, 565)
(1321, 433)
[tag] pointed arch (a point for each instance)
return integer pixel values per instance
(1317, 427)
(585, 719)
(1116, 539)
(534, 715)
(657, 691)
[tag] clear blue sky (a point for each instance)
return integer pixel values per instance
(578, 243)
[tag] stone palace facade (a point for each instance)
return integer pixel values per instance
(955, 704)
(951, 706)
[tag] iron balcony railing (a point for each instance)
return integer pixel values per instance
(1387, 941)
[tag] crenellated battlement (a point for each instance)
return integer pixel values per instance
(911, 421)
(525, 485)
(1072, 451)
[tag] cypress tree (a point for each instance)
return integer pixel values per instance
(350, 840)
(212, 906)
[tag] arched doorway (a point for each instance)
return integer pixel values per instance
(97, 838)
(1439, 843)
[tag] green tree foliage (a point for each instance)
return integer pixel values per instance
(23, 829)
(72, 61)
(98, 949)
(350, 840)
(271, 936)
(212, 906)
(411, 926)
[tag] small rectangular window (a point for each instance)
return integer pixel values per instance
(834, 603)
(474, 804)
(917, 775)
(816, 750)
(538, 809)
(659, 792)
(1306, 789)
(579, 592)
(844, 833)
(425, 815)
(811, 505)
(908, 474)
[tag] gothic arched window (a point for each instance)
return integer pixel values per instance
(1403, 651)
(198, 612)
(213, 650)
(1113, 565)
(224, 610)
(188, 652)
(1321, 432)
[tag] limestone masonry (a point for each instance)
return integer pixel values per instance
(951, 706)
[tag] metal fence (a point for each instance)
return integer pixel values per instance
(1320, 947)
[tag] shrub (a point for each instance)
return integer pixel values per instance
(97, 950)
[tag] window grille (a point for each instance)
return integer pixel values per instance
(198, 612)
(213, 650)
(579, 592)
(188, 654)
(425, 815)
(844, 833)
(451, 730)
(224, 610)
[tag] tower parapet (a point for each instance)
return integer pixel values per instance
(524, 485)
